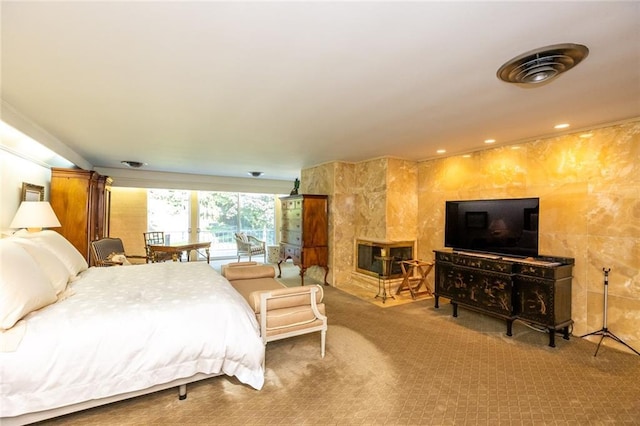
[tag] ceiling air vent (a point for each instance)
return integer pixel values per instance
(133, 164)
(543, 64)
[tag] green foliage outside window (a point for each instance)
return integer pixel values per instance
(220, 214)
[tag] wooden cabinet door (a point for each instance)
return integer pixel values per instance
(541, 301)
(314, 222)
(80, 199)
(70, 200)
(487, 290)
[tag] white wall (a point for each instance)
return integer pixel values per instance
(13, 171)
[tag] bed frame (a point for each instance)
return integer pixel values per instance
(37, 416)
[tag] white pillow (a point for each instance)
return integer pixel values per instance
(23, 286)
(119, 258)
(60, 246)
(49, 263)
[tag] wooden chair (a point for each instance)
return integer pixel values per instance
(155, 238)
(109, 252)
(249, 245)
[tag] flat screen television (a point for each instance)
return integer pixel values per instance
(502, 227)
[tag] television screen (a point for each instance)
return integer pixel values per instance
(507, 227)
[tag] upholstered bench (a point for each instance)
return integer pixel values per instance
(281, 311)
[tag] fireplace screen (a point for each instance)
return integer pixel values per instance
(368, 251)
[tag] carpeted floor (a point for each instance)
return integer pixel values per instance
(406, 365)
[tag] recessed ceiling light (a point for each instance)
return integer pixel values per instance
(441, 151)
(561, 126)
(466, 156)
(133, 164)
(586, 135)
(489, 141)
(255, 174)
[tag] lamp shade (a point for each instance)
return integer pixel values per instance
(35, 215)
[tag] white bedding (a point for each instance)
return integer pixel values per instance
(129, 328)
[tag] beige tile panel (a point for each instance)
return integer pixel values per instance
(450, 174)
(603, 157)
(317, 180)
(502, 168)
(616, 146)
(402, 216)
(622, 256)
(614, 211)
(371, 176)
(402, 175)
(371, 215)
(345, 178)
(343, 212)
(430, 210)
(564, 208)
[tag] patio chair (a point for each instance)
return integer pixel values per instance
(155, 238)
(249, 245)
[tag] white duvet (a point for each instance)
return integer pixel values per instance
(129, 328)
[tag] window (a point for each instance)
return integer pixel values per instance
(168, 211)
(222, 214)
(218, 215)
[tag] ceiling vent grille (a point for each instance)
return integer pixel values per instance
(133, 164)
(543, 64)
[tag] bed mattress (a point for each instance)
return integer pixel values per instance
(129, 328)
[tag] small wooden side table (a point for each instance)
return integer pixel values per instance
(408, 268)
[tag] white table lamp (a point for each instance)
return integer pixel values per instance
(35, 215)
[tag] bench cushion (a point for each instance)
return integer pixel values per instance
(295, 296)
(249, 272)
(291, 319)
(256, 285)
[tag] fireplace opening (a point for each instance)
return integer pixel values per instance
(368, 253)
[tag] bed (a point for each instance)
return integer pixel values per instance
(105, 334)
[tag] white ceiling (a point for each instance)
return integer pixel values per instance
(223, 88)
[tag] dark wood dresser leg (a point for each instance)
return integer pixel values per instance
(302, 271)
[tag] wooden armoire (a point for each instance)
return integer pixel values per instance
(81, 199)
(305, 232)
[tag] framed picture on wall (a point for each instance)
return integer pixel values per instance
(31, 192)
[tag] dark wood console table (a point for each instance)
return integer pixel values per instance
(536, 291)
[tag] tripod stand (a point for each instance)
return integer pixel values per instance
(604, 331)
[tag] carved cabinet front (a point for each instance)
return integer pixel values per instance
(304, 236)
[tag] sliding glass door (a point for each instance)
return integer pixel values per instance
(169, 211)
(217, 216)
(217, 219)
(222, 214)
